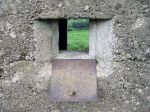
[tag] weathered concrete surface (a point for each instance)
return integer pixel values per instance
(24, 82)
(73, 55)
(26, 90)
(46, 37)
(102, 40)
(73, 80)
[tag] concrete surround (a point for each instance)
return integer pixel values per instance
(46, 35)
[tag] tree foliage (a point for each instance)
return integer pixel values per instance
(78, 24)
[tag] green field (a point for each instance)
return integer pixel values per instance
(78, 38)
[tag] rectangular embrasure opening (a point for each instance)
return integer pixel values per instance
(74, 34)
(73, 38)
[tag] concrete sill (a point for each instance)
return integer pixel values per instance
(73, 55)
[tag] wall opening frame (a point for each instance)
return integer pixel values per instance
(47, 31)
(46, 34)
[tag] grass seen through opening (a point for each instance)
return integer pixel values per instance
(78, 35)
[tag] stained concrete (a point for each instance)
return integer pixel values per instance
(25, 80)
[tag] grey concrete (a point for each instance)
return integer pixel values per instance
(104, 43)
(101, 44)
(73, 55)
(46, 37)
(123, 86)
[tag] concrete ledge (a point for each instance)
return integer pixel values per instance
(74, 55)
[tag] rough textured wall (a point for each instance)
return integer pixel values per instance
(24, 82)
(46, 36)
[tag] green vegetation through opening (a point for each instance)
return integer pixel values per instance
(78, 35)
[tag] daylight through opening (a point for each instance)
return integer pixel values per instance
(74, 34)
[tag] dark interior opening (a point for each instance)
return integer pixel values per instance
(63, 34)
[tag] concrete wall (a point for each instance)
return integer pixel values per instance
(124, 60)
(102, 41)
(46, 33)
